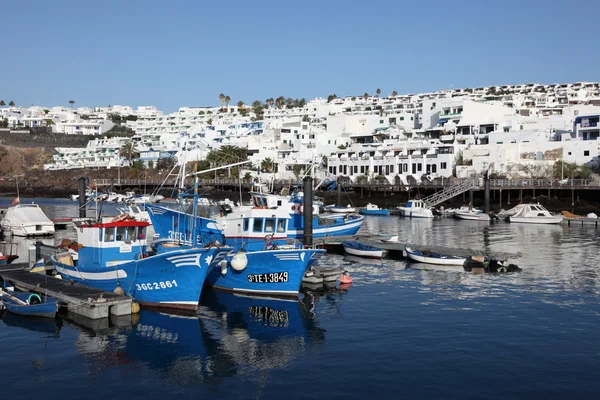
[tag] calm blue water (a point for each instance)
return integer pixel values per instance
(396, 332)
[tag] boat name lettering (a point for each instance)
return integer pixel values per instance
(273, 277)
(156, 285)
(155, 332)
(183, 237)
(269, 315)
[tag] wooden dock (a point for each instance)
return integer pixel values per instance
(395, 249)
(79, 299)
(582, 221)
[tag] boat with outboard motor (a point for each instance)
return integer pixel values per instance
(372, 209)
(428, 257)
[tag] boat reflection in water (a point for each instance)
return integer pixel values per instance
(229, 333)
(49, 326)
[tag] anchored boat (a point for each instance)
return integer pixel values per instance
(534, 214)
(29, 304)
(27, 220)
(425, 256)
(362, 250)
(372, 209)
(113, 255)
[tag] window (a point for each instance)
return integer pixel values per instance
(142, 233)
(586, 152)
(246, 224)
(295, 130)
(269, 225)
(281, 225)
(401, 118)
(362, 169)
(414, 168)
(419, 167)
(381, 121)
(284, 141)
(109, 234)
(279, 203)
(405, 169)
(569, 153)
(433, 168)
(443, 165)
(120, 233)
(356, 169)
(258, 224)
(131, 235)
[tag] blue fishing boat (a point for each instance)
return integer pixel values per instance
(29, 304)
(266, 262)
(362, 250)
(113, 254)
(372, 209)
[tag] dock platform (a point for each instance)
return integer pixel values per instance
(582, 221)
(79, 299)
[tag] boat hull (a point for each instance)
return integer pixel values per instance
(536, 220)
(411, 213)
(374, 212)
(46, 309)
(471, 216)
(342, 210)
(437, 259)
(269, 272)
(171, 279)
(343, 228)
(364, 253)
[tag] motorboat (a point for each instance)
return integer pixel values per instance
(428, 257)
(415, 209)
(471, 215)
(362, 250)
(534, 214)
(372, 209)
(27, 220)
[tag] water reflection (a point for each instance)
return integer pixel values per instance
(50, 327)
(231, 335)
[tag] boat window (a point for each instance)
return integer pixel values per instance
(142, 233)
(278, 203)
(269, 225)
(258, 224)
(121, 233)
(246, 224)
(281, 225)
(109, 234)
(131, 233)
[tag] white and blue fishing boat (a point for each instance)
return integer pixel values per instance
(113, 254)
(29, 304)
(428, 257)
(372, 209)
(362, 250)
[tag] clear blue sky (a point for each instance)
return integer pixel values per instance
(175, 53)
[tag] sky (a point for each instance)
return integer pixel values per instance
(185, 53)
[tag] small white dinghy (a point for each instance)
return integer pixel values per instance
(433, 258)
(347, 209)
(471, 215)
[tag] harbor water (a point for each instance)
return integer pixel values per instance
(399, 331)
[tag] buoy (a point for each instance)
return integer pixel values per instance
(345, 278)
(223, 267)
(135, 307)
(239, 261)
(119, 290)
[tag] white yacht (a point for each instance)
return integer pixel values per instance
(415, 209)
(534, 214)
(27, 220)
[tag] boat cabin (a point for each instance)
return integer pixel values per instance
(111, 242)
(256, 228)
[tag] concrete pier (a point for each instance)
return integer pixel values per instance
(79, 299)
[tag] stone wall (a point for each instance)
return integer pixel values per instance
(37, 139)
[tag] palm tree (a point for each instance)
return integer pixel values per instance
(267, 164)
(394, 93)
(366, 96)
(302, 102)
(240, 104)
(71, 102)
(2, 103)
(221, 99)
(378, 91)
(280, 102)
(227, 100)
(128, 152)
(11, 104)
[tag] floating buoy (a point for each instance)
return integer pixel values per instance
(239, 261)
(345, 278)
(223, 267)
(135, 307)
(119, 290)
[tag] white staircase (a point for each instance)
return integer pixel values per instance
(451, 191)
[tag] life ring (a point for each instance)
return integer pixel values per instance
(34, 298)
